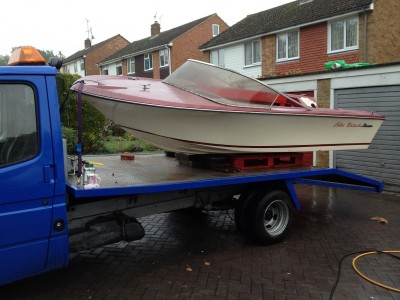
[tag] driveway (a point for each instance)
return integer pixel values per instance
(202, 256)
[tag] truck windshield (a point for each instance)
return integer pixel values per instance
(18, 128)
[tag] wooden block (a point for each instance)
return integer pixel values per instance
(126, 156)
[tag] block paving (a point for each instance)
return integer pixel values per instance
(192, 255)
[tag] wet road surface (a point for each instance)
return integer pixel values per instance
(202, 256)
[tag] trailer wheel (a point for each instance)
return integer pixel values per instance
(270, 216)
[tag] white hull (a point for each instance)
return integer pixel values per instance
(196, 131)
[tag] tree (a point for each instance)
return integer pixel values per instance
(4, 60)
(93, 122)
(47, 54)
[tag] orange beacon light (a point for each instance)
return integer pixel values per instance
(26, 55)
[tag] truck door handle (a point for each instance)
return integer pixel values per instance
(48, 174)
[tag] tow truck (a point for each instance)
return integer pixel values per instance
(45, 213)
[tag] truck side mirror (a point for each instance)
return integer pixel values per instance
(55, 62)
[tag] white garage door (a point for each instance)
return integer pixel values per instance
(382, 160)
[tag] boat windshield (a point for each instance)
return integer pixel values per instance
(227, 87)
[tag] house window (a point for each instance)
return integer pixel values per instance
(131, 66)
(104, 72)
(215, 29)
(148, 61)
(75, 67)
(287, 46)
(343, 35)
(252, 53)
(82, 65)
(164, 57)
(217, 57)
(119, 70)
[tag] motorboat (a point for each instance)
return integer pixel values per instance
(204, 109)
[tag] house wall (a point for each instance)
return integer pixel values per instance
(124, 63)
(156, 64)
(383, 43)
(69, 68)
(268, 55)
(324, 101)
(98, 54)
(112, 68)
(383, 32)
(313, 50)
(184, 47)
(187, 45)
(139, 67)
(158, 71)
(234, 59)
(164, 72)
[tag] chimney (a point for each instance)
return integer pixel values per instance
(155, 28)
(88, 43)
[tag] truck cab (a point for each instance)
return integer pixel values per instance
(33, 227)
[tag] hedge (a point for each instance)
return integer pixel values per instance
(93, 122)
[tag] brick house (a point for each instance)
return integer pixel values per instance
(287, 47)
(299, 37)
(84, 61)
(162, 52)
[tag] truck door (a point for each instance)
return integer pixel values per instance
(26, 177)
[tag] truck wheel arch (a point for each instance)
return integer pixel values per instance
(265, 217)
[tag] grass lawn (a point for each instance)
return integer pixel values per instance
(116, 145)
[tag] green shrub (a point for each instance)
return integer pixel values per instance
(72, 138)
(99, 135)
(93, 122)
(116, 130)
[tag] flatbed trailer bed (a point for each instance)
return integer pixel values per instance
(263, 199)
(156, 173)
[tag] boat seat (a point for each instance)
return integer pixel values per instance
(281, 101)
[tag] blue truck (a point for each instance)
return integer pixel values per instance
(45, 213)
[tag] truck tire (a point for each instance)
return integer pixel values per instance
(270, 217)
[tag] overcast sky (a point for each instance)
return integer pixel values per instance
(62, 25)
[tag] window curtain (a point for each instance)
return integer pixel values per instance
(337, 35)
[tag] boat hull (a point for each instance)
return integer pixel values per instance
(196, 131)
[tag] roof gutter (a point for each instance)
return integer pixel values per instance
(108, 62)
(234, 42)
(130, 55)
(362, 10)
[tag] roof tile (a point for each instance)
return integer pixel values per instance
(83, 52)
(163, 38)
(285, 16)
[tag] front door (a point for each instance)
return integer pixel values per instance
(26, 177)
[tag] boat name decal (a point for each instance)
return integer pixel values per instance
(349, 124)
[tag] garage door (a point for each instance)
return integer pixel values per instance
(382, 160)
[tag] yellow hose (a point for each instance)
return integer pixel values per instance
(96, 163)
(369, 279)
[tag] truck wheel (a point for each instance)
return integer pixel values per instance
(270, 216)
